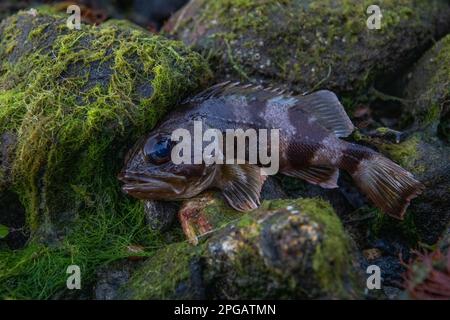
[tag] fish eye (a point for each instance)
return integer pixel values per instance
(158, 152)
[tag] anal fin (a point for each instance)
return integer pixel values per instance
(324, 176)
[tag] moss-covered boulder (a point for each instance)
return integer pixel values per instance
(425, 152)
(310, 44)
(285, 249)
(426, 156)
(428, 91)
(73, 101)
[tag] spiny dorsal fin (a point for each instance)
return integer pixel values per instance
(241, 185)
(329, 112)
(323, 105)
(326, 177)
(230, 88)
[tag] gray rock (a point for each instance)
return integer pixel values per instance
(160, 215)
(305, 44)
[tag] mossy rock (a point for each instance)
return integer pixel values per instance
(428, 91)
(285, 249)
(426, 156)
(310, 44)
(75, 100)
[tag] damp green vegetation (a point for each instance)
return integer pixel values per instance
(429, 89)
(384, 225)
(39, 270)
(163, 273)
(232, 256)
(405, 153)
(309, 44)
(76, 101)
(439, 90)
(332, 260)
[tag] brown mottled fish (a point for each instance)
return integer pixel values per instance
(310, 148)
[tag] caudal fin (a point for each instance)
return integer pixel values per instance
(388, 185)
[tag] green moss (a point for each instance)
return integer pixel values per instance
(405, 153)
(306, 44)
(39, 271)
(76, 101)
(331, 260)
(405, 229)
(167, 269)
(235, 268)
(429, 90)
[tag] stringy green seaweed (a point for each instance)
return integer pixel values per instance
(74, 122)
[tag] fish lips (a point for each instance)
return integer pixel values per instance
(151, 187)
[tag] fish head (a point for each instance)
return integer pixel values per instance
(150, 174)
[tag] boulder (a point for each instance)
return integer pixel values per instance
(73, 101)
(309, 44)
(285, 249)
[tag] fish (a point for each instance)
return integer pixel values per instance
(311, 147)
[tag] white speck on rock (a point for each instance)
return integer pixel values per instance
(32, 12)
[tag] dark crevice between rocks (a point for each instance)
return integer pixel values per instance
(12, 215)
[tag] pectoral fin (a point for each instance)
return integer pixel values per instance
(326, 177)
(241, 186)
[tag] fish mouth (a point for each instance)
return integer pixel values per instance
(152, 187)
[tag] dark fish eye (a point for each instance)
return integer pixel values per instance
(159, 152)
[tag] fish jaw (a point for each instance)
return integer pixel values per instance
(146, 187)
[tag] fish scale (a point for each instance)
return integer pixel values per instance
(310, 148)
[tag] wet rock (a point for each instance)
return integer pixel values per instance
(422, 148)
(12, 216)
(426, 157)
(8, 142)
(160, 215)
(154, 12)
(306, 44)
(272, 189)
(286, 249)
(77, 100)
(110, 279)
(427, 92)
(425, 151)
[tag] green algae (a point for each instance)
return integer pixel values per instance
(66, 139)
(405, 153)
(307, 45)
(240, 270)
(332, 259)
(163, 272)
(76, 100)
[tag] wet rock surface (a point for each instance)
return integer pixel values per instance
(285, 249)
(308, 45)
(57, 173)
(111, 278)
(160, 215)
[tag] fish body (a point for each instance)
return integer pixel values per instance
(309, 148)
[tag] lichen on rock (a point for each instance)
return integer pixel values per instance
(287, 248)
(309, 44)
(428, 91)
(422, 154)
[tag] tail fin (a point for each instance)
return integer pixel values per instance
(389, 186)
